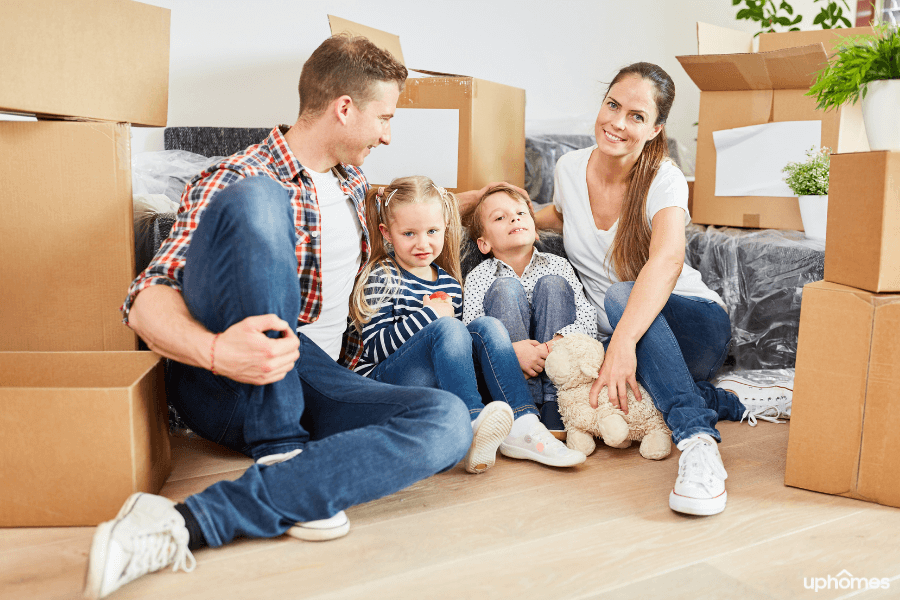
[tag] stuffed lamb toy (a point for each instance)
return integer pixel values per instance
(573, 365)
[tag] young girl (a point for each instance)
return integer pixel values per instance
(408, 304)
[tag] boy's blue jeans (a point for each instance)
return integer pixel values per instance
(449, 355)
(552, 307)
(682, 349)
(361, 439)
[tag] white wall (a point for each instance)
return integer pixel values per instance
(236, 62)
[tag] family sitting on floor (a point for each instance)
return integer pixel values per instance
(277, 248)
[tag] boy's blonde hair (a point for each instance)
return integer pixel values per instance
(476, 224)
(380, 204)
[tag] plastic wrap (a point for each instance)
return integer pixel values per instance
(166, 172)
(760, 275)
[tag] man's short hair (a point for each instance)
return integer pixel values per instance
(345, 65)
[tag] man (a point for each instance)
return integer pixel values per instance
(266, 239)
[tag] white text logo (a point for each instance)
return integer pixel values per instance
(845, 581)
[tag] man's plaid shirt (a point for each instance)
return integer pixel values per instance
(271, 158)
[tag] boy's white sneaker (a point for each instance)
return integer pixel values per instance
(147, 535)
(311, 531)
(700, 487)
(539, 445)
(489, 429)
(768, 402)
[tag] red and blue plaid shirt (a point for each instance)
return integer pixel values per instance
(271, 158)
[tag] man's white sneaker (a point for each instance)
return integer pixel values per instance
(700, 487)
(322, 530)
(147, 535)
(539, 445)
(768, 402)
(489, 429)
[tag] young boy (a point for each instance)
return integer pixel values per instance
(536, 295)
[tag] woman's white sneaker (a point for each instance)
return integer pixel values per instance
(769, 402)
(488, 429)
(700, 487)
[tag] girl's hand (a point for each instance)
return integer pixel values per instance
(443, 308)
(531, 355)
(617, 374)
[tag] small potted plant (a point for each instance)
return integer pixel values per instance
(866, 67)
(809, 180)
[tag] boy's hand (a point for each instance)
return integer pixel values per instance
(443, 307)
(531, 355)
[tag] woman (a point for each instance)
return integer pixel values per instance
(622, 207)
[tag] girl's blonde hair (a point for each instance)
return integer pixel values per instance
(380, 204)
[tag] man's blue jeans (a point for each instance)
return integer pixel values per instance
(552, 307)
(682, 349)
(448, 355)
(361, 439)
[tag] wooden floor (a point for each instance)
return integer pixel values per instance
(522, 531)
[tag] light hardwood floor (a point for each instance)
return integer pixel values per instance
(522, 531)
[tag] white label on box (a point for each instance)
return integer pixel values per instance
(424, 141)
(749, 160)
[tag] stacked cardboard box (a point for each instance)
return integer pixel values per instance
(87, 423)
(845, 413)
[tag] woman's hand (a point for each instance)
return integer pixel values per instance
(617, 374)
(531, 355)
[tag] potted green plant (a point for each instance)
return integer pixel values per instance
(809, 180)
(866, 67)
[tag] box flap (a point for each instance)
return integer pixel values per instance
(712, 39)
(382, 39)
(792, 39)
(789, 68)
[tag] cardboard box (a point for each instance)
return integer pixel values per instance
(862, 248)
(740, 87)
(66, 236)
(103, 59)
(490, 132)
(845, 414)
(81, 431)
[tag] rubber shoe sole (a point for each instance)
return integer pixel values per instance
(703, 507)
(494, 428)
(93, 576)
(322, 530)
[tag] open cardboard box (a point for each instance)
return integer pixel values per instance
(742, 86)
(485, 121)
(81, 431)
(862, 248)
(845, 414)
(66, 236)
(101, 60)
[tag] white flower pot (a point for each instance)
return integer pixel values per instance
(881, 114)
(814, 214)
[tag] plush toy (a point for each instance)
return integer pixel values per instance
(573, 365)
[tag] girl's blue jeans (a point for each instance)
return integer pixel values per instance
(361, 439)
(680, 352)
(451, 356)
(552, 307)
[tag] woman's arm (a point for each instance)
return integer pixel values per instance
(651, 291)
(549, 218)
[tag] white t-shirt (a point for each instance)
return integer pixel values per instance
(587, 247)
(341, 253)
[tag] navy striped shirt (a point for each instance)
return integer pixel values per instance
(402, 314)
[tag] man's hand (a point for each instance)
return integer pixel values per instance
(443, 307)
(244, 352)
(531, 355)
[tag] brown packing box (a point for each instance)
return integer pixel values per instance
(66, 236)
(741, 88)
(491, 115)
(845, 414)
(102, 59)
(81, 431)
(862, 248)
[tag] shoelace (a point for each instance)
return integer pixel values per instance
(764, 409)
(696, 464)
(548, 440)
(157, 549)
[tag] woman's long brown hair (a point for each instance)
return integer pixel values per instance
(631, 246)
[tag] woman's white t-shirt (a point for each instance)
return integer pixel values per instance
(587, 247)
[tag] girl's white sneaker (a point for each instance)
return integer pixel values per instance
(539, 445)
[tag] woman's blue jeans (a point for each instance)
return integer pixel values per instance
(552, 307)
(361, 439)
(680, 352)
(451, 356)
